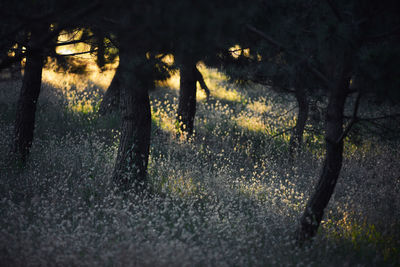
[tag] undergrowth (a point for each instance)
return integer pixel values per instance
(229, 196)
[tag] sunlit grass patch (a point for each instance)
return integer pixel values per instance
(211, 75)
(173, 83)
(81, 93)
(218, 84)
(85, 107)
(163, 114)
(200, 94)
(81, 102)
(93, 75)
(215, 82)
(251, 123)
(362, 234)
(227, 94)
(259, 106)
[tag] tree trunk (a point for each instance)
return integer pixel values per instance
(296, 140)
(314, 211)
(29, 94)
(111, 98)
(100, 50)
(130, 171)
(187, 96)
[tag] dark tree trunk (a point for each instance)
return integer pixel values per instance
(187, 96)
(130, 170)
(296, 140)
(111, 98)
(314, 211)
(100, 50)
(29, 94)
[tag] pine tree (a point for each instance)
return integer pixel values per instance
(329, 39)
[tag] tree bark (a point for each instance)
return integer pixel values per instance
(130, 171)
(29, 94)
(296, 140)
(111, 98)
(187, 96)
(316, 205)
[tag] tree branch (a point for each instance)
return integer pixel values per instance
(47, 38)
(7, 61)
(353, 120)
(380, 126)
(78, 53)
(383, 36)
(270, 40)
(266, 37)
(73, 42)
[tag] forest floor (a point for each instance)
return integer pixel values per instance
(229, 196)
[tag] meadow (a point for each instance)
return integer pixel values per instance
(228, 196)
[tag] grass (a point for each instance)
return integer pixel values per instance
(227, 197)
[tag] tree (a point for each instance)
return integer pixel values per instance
(189, 76)
(252, 61)
(26, 107)
(133, 151)
(39, 44)
(197, 38)
(345, 62)
(152, 28)
(296, 140)
(129, 23)
(329, 39)
(187, 96)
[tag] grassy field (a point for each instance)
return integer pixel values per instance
(230, 196)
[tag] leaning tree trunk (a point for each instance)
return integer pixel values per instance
(314, 210)
(130, 171)
(296, 140)
(29, 94)
(111, 98)
(203, 85)
(187, 96)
